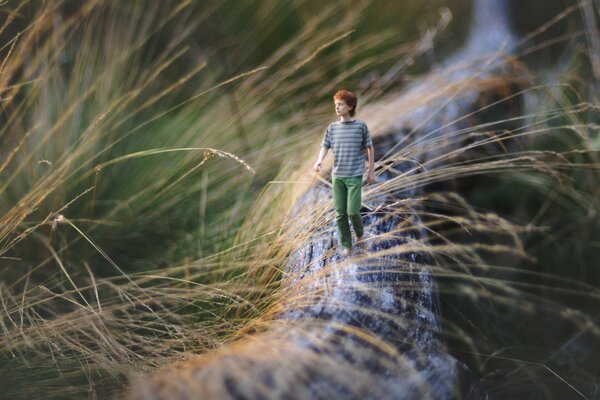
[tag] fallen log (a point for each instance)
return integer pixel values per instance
(367, 326)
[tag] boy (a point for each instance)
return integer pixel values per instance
(348, 139)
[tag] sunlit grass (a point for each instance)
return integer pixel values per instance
(103, 152)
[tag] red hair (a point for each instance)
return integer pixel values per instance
(349, 98)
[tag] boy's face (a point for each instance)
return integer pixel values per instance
(341, 108)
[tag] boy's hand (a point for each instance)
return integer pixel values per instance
(370, 177)
(317, 167)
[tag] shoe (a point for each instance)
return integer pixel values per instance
(362, 240)
(345, 252)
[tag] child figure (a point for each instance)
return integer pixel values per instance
(348, 139)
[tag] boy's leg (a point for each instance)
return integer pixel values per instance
(354, 185)
(340, 196)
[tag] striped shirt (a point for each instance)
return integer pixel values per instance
(347, 141)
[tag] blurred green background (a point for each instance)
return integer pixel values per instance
(86, 84)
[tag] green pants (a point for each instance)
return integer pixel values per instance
(347, 198)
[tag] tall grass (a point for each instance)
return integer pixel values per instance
(122, 187)
(145, 218)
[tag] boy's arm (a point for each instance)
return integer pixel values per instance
(368, 146)
(319, 163)
(371, 168)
